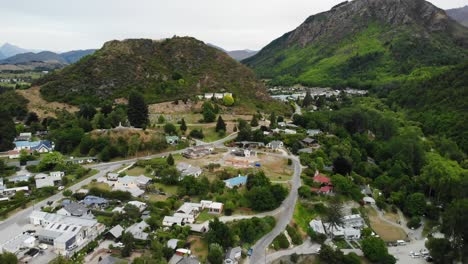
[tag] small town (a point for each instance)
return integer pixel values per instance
(242, 132)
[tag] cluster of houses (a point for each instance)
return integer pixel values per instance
(135, 185)
(350, 228)
(24, 142)
(218, 96)
(188, 212)
(65, 233)
(6, 192)
(197, 152)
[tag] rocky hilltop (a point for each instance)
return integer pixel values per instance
(364, 42)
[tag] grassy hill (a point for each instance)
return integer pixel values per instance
(365, 43)
(176, 68)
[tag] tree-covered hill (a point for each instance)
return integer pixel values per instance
(439, 103)
(176, 68)
(365, 43)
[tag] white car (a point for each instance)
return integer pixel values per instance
(61, 188)
(119, 245)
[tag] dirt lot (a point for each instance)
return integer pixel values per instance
(276, 168)
(386, 231)
(198, 247)
(40, 106)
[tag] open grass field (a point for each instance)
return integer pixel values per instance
(40, 106)
(198, 247)
(99, 185)
(168, 189)
(386, 231)
(136, 171)
(302, 216)
(276, 168)
(205, 216)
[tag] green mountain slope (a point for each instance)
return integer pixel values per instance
(171, 69)
(439, 103)
(365, 43)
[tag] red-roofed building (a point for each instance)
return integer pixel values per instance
(325, 183)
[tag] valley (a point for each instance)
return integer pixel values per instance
(342, 141)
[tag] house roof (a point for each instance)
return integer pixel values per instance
(232, 252)
(116, 231)
(322, 179)
(275, 143)
(90, 199)
(236, 181)
(172, 243)
(75, 209)
(137, 230)
(308, 140)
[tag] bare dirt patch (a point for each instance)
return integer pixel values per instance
(42, 107)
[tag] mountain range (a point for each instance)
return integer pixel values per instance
(176, 68)
(238, 55)
(364, 43)
(459, 14)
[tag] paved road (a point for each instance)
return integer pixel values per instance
(283, 218)
(308, 247)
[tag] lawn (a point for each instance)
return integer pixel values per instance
(136, 171)
(99, 185)
(168, 189)
(205, 216)
(386, 231)
(341, 244)
(302, 216)
(198, 247)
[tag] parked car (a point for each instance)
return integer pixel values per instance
(250, 252)
(61, 188)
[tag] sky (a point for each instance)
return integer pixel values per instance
(60, 25)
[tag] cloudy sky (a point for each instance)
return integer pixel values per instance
(60, 25)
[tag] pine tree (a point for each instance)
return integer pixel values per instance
(307, 100)
(183, 126)
(7, 131)
(220, 125)
(254, 122)
(137, 111)
(273, 121)
(170, 160)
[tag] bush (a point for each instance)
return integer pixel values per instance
(280, 242)
(314, 236)
(295, 236)
(197, 133)
(414, 222)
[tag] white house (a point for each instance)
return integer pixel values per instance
(138, 230)
(275, 145)
(140, 205)
(186, 169)
(44, 180)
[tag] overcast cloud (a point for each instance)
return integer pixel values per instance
(61, 25)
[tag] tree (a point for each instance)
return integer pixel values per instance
(87, 111)
(170, 160)
(228, 100)
(261, 198)
(219, 233)
(455, 226)
(273, 121)
(183, 125)
(51, 161)
(170, 129)
(7, 131)
(161, 119)
(308, 100)
(129, 243)
(375, 250)
(334, 214)
(441, 250)
(415, 204)
(137, 111)
(197, 133)
(215, 254)
(208, 112)
(254, 122)
(220, 125)
(342, 165)
(67, 192)
(31, 118)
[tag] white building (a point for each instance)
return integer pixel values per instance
(66, 233)
(186, 169)
(140, 205)
(44, 180)
(138, 230)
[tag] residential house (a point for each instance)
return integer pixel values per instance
(66, 233)
(326, 186)
(116, 232)
(317, 226)
(42, 146)
(213, 207)
(288, 131)
(172, 140)
(313, 132)
(275, 145)
(75, 209)
(354, 221)
(198, 152)
(140, 205)
(244, 153)
(138, 230)
(186, 169)
(132, 184)
(308, 141)
(24, 137)
(20, 178)
(172, 243)
(44, 180)
(82, 160)
(95, 201)
(11, 191)
(368, 200)
(236, 181)
(233, 255)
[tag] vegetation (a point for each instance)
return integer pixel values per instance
(137, 111)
